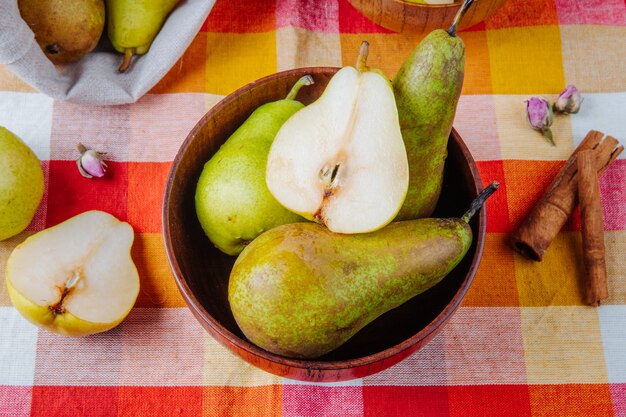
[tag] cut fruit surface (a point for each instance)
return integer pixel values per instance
(77, 273)
(341, 160)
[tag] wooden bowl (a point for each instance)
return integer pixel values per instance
(404, 16)
(202, 271)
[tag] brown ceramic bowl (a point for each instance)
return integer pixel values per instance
(201, 271)
(404, 16)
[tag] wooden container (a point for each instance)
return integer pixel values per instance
(202, 272)
(404, 16)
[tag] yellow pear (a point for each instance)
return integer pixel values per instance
(21, 184)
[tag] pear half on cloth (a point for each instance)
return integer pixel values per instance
(76, 278)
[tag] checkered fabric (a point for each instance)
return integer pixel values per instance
(522, 343)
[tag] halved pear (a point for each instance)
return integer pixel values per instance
(341, 161)
(76, 278)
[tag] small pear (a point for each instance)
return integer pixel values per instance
(427, 89)
(341, 160)
(232, 201)
(21, 184)
(133, 24)
(301, 291)
(66, 30)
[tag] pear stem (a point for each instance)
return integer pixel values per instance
(128, 56)
(304, 80)
(479, 201)
(361, 60)
(459, 16)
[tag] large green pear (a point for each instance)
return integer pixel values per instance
(232, 200)
(133, 24)
(21, 184)
(427, 88)
(301, 291)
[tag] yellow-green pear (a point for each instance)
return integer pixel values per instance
(133, 24)
(341, 160)
(76, 278)
(21, 184)
(427, 88)
(232, 201)
(300, 290)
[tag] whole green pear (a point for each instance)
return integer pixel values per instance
(133, 24)
(232, 200)
(301, 291)
(65, 30)
(427, 88)
(21, 184)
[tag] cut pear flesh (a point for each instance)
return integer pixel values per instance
(341, 161)
(78, 274)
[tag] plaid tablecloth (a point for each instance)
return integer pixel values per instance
(522, 343)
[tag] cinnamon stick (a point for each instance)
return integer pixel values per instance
(551, 212)
(596, 287)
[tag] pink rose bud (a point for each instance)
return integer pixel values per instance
(90, 163)
(539, 115)
(569, 100)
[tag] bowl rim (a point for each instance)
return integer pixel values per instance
(455, 4)
(222, 334)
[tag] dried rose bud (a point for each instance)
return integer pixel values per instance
(569, 100)
(90, 163)
(539, 115)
